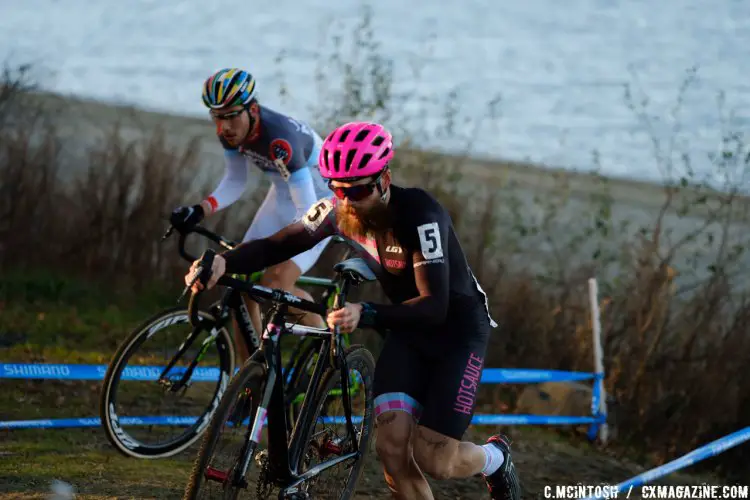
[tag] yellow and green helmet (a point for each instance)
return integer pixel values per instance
(228, 87)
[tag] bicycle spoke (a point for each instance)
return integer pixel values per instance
(337, 442)
(147, 382)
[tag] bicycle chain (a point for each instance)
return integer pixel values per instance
(263, 486)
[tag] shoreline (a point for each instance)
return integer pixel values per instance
(485, 170)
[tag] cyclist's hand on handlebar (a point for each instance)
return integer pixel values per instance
(346, 318)
(218, 268)
(185, 218)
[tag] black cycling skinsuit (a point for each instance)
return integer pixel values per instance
(439, 324)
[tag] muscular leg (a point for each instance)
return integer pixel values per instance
(284, 276)
(448, 409)
(443, 457)
(309, 319)
(264, 224)
(394, 448)
(400, 379)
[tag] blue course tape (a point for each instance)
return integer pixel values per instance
(204, 374)
(186, 421)
(96, 372)
(702, 453)
(533, 420)
(94, 422)
(209, 374)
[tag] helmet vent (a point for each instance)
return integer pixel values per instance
(378, 140)
(365, 160)
(384, 153)
(362, 135)
(350, 158)
(337, 161)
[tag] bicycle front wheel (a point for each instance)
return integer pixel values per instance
(221, 450)
(147, 416)
(297, 377)
(327, 440)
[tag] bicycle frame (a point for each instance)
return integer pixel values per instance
(284, 451)
(231, 301)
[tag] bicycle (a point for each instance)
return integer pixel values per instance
(200, 388)
(255, 397)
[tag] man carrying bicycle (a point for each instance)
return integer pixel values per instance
(428, 371)
(286, 150)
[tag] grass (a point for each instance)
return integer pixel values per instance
(31, 459)
(47, 317)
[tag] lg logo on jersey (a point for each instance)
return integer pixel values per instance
(398, 263)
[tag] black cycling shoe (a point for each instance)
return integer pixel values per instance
(503, 483)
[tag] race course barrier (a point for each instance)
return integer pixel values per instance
(26, 371)
(596, 421)
(707, 451)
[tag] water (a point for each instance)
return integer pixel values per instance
(559, 67)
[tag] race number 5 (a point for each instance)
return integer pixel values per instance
(317, 214)
(429, 240)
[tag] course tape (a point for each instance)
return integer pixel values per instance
(702, 453)
(206, 374)
(187, 421)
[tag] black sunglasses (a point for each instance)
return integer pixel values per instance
(355, 193)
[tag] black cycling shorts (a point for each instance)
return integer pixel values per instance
(434, 379)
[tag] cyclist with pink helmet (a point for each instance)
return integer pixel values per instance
(438, 321)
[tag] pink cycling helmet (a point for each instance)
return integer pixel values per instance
(355, 150)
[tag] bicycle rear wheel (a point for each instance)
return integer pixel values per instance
(327, 438)
(144, 417)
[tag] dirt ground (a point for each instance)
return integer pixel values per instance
(31, 459)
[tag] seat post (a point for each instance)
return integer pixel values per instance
(340, 299)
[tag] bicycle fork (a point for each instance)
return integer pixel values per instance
(273, 397)
(176, 386)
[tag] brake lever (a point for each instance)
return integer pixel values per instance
(202, 272)
(196, 275)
